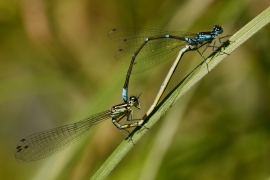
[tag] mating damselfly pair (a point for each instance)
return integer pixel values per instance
(144, 48)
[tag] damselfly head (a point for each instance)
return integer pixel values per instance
(218, 29)
(135, 101)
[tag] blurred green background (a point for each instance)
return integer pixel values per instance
(57, 67)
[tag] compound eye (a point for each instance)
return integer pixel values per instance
(218, 29)
(134, 99)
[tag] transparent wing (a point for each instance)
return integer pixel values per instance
(119, 34)
(153, 53)
(46, 143)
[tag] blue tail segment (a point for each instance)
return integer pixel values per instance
(125, 95)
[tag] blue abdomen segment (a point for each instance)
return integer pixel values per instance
(125, 95)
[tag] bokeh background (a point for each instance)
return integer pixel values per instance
(57, 66)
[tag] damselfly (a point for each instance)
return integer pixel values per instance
(151, 47)
(46, 143)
